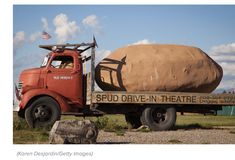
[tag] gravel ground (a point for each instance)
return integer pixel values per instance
(194, 136)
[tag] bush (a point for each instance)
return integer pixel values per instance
(101, 122)
(110, 125)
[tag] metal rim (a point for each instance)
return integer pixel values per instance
(159, 115)
(42, 113)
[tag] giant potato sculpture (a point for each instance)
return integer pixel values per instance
(158, 68)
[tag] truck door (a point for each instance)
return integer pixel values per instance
(64, 77)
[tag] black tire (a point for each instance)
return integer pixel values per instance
(133, 119)
(21, 113)
(159, 118)
(43, 112)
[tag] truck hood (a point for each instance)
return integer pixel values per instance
(30, 77)
(31, 71)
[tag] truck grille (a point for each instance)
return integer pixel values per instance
(20, 84)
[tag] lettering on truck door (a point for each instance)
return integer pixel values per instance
(61, 77)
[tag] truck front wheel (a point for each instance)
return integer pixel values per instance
(159, 118)
(133, 119)
(42, 112)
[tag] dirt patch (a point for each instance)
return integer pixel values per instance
(195, 136)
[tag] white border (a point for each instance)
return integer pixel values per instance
(8, 150)
(115, 2)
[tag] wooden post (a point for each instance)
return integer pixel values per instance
(93, 69)
(92, 74)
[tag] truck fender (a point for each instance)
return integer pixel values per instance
(29, 96)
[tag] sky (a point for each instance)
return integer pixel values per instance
(209, 27)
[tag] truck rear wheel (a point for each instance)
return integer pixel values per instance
(133, 119)
(43, 112)
(159, 118)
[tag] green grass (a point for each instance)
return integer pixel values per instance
(22, 134)
(202, 121)
(30, 137)
(115, 123)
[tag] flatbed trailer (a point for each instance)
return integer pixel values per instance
(175, 98)
(158, 110)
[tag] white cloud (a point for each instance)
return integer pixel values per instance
(65, 29)
(144, 41)
(224, 55)
(223, 49)
(101, 55)
(228, 68)
(91, 21)
(44, 24)
(222, 58)
(227, 84)
(18, 39)
(38, 34)
(34, 36)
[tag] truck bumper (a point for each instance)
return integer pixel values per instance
(16, 100)
(16, 103)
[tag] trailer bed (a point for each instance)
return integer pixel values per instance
(163, 98)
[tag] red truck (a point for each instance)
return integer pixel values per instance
(60, 87)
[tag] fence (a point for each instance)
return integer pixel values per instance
(227, 111)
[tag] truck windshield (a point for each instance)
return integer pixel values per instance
(45, 60)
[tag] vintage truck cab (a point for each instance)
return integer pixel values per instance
(56, 87)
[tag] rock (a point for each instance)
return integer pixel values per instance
(158, 68)
(73, 132)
